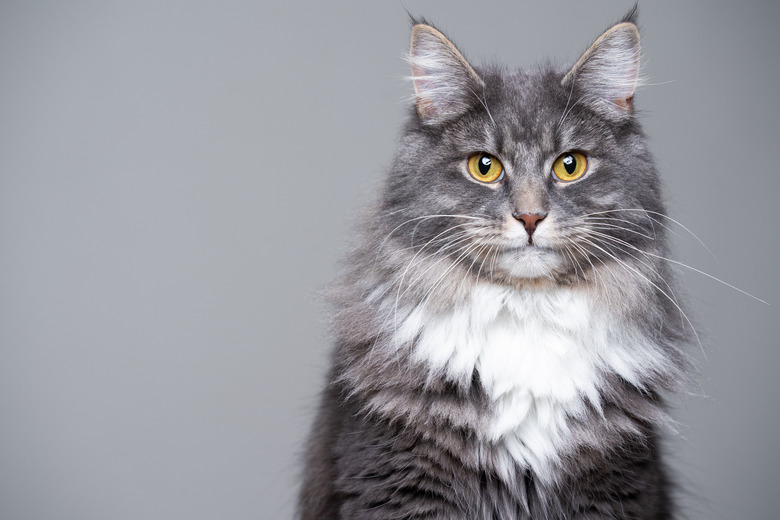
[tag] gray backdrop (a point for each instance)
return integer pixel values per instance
(177, 180)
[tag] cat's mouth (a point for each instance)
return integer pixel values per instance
(529, 247)
(529, 261)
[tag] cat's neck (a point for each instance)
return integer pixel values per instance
(542, 353)
(501, 332)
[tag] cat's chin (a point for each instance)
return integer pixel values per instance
(530, 262)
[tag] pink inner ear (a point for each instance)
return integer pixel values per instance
(626, 103)
(609, 69)
(423, 86)
(626, 98)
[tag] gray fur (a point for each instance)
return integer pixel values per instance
(396, 439)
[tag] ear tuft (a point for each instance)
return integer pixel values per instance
(444, 82)
(608, 73)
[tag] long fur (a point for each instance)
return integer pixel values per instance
(483, 371)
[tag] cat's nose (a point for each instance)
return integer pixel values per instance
(529, 220)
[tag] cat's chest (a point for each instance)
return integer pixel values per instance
(539, 355)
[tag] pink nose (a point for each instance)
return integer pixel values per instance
(529, 220)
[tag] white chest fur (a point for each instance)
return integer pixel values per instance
(540, 355)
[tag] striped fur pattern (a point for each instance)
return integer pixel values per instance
(483, 371)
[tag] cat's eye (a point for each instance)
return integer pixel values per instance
(570, 166)
(485, 168)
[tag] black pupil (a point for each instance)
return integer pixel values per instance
(484, 164)
(570, 163)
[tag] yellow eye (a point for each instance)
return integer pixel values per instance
(485, 168)
(570, 166)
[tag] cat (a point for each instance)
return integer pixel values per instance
(507, 327)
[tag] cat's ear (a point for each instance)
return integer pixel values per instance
(608, 73)
(444, 82)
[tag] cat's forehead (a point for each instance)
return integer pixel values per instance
(522, 84)
(526, 99)
(525, 109)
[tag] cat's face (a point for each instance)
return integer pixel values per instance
(524, 175)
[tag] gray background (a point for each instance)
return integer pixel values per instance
(177, 181)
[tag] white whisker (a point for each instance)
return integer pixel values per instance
(642, 276)
(681, 264)
(648, 212)
(424, 217)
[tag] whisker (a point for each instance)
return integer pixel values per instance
(462, 236)
(570, 256)
(422, 218)
(441, 278)
(482, 100)
(453, 244)
(592, 217)
(566, 109)
(482, 263)
(608, 225)
(485, 258)
(671, 300)
(598, 277)
(493, 263)
(434, 240)
(681, 264)
(567, 254)
(713, 278)
(648, 212)
(618, 243)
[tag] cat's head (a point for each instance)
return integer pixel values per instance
(522, 175)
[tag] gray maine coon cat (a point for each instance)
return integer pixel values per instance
(506, 327)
